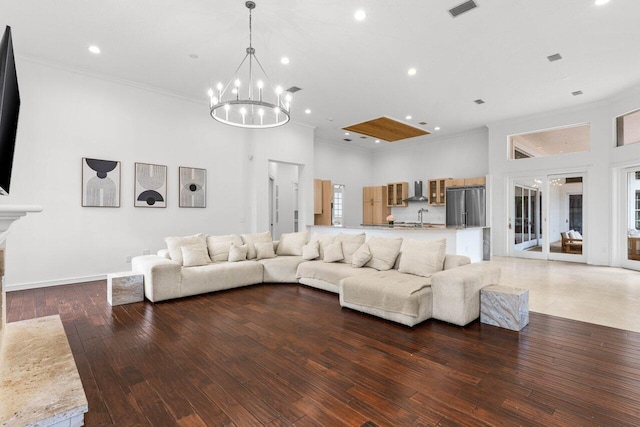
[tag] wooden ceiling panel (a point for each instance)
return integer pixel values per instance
(386, 129)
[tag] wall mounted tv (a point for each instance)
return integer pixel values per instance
(9, 109)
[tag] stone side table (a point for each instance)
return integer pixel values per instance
(125, 288)
(505, 307)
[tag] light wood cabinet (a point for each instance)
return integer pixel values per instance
(374, 205)
(437, 191)
(464, 182)
(396, 193)
(322, 201)
(450, 182)
(475, 181)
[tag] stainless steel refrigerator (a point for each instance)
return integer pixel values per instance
(466, 207)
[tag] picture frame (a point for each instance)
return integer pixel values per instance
(192, 187)
(101, 183)
(150, 186)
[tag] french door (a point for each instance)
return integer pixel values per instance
(631, 208)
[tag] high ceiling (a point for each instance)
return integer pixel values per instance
(352, 71)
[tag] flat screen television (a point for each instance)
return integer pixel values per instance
(9, 109)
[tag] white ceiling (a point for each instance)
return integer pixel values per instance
(353, 71)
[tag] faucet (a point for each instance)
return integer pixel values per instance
(420, 218)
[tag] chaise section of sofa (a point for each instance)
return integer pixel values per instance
(162, 277)
(327, 276)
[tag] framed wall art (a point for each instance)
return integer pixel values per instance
(100, 183)
(193, 187)
(150, 186)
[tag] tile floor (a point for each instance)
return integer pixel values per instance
(602, 295)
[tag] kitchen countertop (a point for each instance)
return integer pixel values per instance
(402, 227)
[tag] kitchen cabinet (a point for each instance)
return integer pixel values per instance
(374, 205)
(322, 202)
(396, 193)
(437, 191)
(465, 182)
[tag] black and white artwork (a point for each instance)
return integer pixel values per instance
(193, 188)
(150, 186)
(100, 183)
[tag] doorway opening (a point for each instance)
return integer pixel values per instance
(283, 198)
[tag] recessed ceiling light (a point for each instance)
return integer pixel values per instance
(307, 111)
(565, 78)
(346, 133)
(436, 128)
(601, 2)
(408, 117)
(360, 15)
(94, 49)
(377, 141)
(412, 71)
(284, 60)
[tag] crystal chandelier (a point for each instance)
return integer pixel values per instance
(261, 108)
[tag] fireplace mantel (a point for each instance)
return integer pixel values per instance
(11, 213)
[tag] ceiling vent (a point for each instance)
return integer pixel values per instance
(347, 139)
(293, 89)
(363, 137)
(462, 8)
(554, 57)
(422, 123)
(576, 93)
(479, 101)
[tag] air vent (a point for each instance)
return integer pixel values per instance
(293, 89)
(347, 139)
(462, 8)
(363, 137)
(554, 57)
(422, 123)
(576, 93)
(479, 101)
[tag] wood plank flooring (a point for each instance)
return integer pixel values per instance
(289, 355)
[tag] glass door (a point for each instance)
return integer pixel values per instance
(567, 233)
(526, 217)
(631, 258)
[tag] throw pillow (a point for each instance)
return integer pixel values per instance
(384, 251)
(350, 244)
(292, 243)
(175, 244)
(423, 257)
(333, 252)
(195, 255)
(237, 253)
(311, 251)
(361, 256)
(251, 239)
(575, 235)
(219, 246)
(323, 240)
(264, 250)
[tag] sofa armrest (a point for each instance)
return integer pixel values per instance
(456, 292)
(162, 277)
(453, 261)
(164, 253)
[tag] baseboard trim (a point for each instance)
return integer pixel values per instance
(50, 283)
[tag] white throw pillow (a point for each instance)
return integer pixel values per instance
(350, 244)
(292, 243)
(384, 251)
(333, 252)
(175, 244)
(264, 250)
(238, 253)
(323, 240)
(219, 246)
(195, 255)
(423, 257)
(251, 239)
(575, 235)
(311, 251)
(361, 256)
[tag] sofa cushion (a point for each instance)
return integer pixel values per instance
(323, 240)
(389, 290)
(333, 252)
(332, 273)
(292, 243)
(423, 257)
(195, 255)
(264, 250)
(350, 244)
(281, 269)
(238, 253)
(384, 251)
(175, 244)
(219, 276)
(251, 239)
(219, 246)
(361, 256)
(311, 251)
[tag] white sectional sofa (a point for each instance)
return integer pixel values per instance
(405, 282)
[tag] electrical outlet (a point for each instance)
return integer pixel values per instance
(128, 260)
(146, 252)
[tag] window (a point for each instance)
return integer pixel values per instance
(628, 128)
(550, 142)
(336, 212)
(638, 210)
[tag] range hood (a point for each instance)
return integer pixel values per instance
(417, 194)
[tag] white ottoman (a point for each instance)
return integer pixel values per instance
(505, 307)
(125, 288)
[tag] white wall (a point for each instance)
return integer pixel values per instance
(349, 166)
(67, 115)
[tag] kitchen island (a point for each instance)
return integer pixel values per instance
(460, 241)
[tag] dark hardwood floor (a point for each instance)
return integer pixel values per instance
(287, 354)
